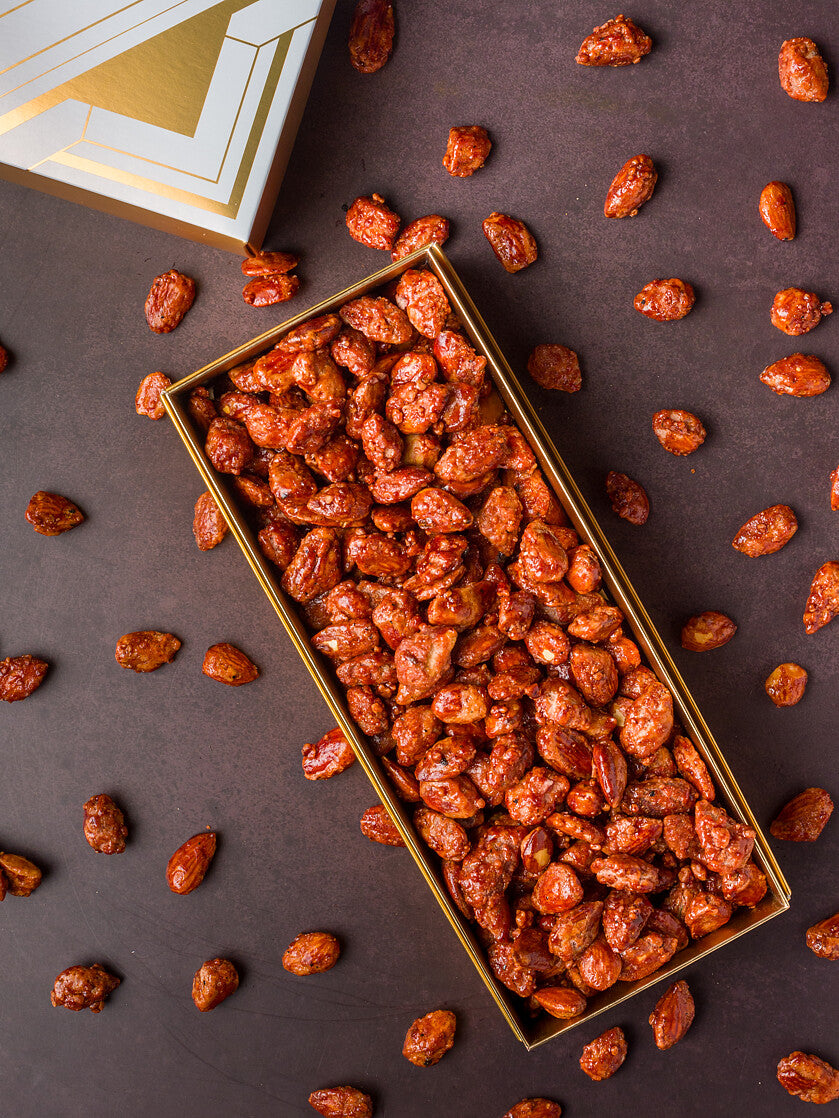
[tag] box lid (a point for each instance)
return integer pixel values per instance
(178, 112)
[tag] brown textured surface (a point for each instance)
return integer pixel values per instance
(180, 753)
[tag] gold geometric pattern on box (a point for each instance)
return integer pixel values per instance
(163, 97)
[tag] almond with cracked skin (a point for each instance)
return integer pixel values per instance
(603, 1056)
(81, 987)
(22, 877)
(631, 187)
(147, 401)
(665, 300)
(800, 374)
(627, 497)
(467, 149)
(808, 1078)
(208, 524)
(377, 825)
(618, 42)
(341, 1102)
(679, 431)
(51, 514)
(269, 264)
(707, 630)
(146, 650)
(823, 600)
(804, 818)
(311, 953)
(20, 676)
(228, 664)
(766, 532)
(215, 980)
(796, 311)
(802, 71)
(190, 862)
(785, 685)
(555, 367)
(371, 35)
(430, 1038)
(823, 938)
(511, 241)
(777, 210)
(534, 1108)
(673, 1015)
(104, 825)
(169, 298)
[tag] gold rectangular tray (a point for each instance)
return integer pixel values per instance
(530, 1032)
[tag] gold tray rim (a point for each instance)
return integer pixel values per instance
(615, 580)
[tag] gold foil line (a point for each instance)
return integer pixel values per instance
(81, 31)
(230, 208)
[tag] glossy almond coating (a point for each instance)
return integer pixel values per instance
(785, 684)
(534, 1108)
(627, 497)
(560, 1001)
(511, 241)
(268, 291)
(679, 431)
(147, 401)
(802, 70)
(341, 1102)
(371, 222)
(618, 42)
(20, 676)
(214, 981)
(437, 572)
(429, 1038)
(707, 630)
(186, 868)
(146, 650)
(377, 825)
(311, 953)
(104, 825)
(603, 1056)
(823, 938)
(673, 1015)
(371, 35)
(777, 210)
(665, 300)
(378, 319)
(823, 601)
(555, 367)
(467, 149)
(228, 664)
(799, 374)
(766, 532)
(50, 514)
(82, 987)
(795, 311)
(809, 1078)
(22, 877)
(269, 263)
(834, 489)
(424, 231)
(804, 818)
(208, 524)
(631, 187)
(328, 756)
(169, 298)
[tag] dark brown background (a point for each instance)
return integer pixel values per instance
(181, 752)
